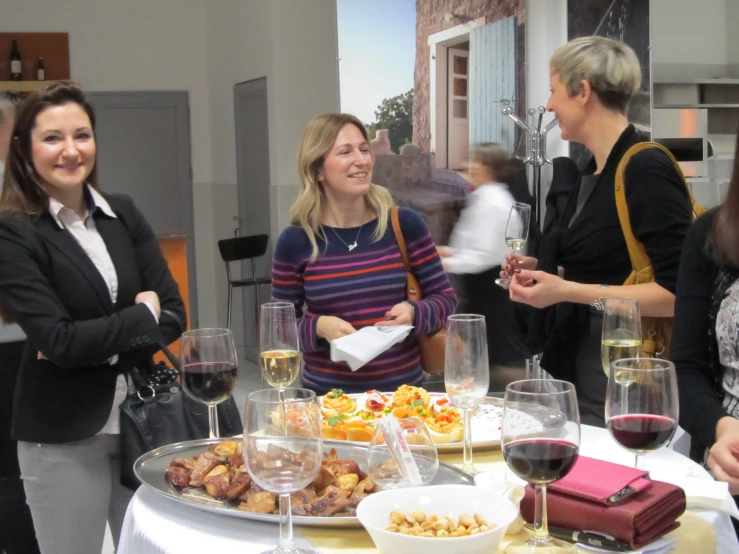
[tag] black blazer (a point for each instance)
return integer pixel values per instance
(56, 294)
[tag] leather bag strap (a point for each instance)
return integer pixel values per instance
(395, 218)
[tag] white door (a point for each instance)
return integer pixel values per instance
(458, 126)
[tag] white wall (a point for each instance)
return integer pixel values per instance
(131, 45)
(205, 48)
(732, 37)
(294, 45)
(690, 31)
(546, 30)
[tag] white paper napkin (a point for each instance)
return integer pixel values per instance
(660, 546)
(700, 491)
(506, 484)
(366, 344)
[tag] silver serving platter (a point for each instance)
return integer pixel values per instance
(151, 467)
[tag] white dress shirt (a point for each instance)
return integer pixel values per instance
(88, 237)
(478, 239)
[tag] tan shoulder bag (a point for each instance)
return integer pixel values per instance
(432, 346)
(656, 331)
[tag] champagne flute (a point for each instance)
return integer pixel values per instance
(209, 367)
(283, 449)
(540, 439)
(466, 372)
(279, 351)
(516, 233)
(621, 336)
(642, 406)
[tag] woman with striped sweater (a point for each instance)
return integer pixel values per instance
(339, 264)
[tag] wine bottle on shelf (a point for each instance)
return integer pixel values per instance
(40, 70)
(15, 63)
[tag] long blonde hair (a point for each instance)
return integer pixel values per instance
(318, 139)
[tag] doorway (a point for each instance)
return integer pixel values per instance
(253, 182)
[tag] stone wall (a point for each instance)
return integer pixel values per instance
(401, 172)
(430, 20)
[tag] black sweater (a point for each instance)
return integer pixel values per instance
(694, 349)
(593, 250)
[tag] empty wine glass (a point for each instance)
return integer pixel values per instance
(466, 372)
(516, 233)
(421, 462)
(642, 405)
(622, 336)
(279, 352)
(209, 367)
(540, 439)
(283, 449)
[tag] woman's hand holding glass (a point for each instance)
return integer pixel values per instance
(516, 234)
(539, 288)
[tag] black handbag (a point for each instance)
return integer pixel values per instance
(158, 414)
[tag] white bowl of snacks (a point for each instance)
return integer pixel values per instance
(440, 519)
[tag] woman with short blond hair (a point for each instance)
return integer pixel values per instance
(584, 258)
(340, 265)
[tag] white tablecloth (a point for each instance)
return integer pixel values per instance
(155, 524)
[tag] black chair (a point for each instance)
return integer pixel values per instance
(244, 248)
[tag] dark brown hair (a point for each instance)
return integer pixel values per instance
(494, 157)
(23, 190)
(724, 239)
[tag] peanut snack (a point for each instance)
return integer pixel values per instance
(418, 524)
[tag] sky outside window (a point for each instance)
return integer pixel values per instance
(377, 47)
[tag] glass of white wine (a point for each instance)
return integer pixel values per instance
(621, 336)
(516, 233)
(279, 351)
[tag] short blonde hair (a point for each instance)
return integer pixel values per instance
(611, 68)
(319, 137)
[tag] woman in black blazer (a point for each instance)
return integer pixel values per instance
(83, 275)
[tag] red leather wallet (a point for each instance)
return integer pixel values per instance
(603, 482)
(639, 520)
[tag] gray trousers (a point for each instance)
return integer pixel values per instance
(72, 490)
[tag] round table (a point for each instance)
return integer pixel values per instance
(155, 524)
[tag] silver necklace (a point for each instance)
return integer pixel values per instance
(353, 245)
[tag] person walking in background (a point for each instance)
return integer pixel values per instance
(340, 258)
(17, 535)
(476, 251)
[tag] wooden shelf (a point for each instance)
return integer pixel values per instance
(24, 86)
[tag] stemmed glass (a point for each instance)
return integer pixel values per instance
(540, 439)
(642, 405)
(283, 449)
(466, 372)
(209, 367)
(622, 336)
(279, 351)
(516, 233)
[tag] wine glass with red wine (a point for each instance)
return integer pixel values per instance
(540, 439)
(642, 405)
(208, 365)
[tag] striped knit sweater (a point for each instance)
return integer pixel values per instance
(360, 287)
